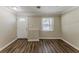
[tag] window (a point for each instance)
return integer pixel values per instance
(47, 24)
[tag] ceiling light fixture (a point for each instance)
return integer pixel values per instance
(38, 7)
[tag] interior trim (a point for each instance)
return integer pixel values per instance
(70, 44)
(33, 39)
(7, 44)
(50, 37)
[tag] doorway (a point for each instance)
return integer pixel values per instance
(22, 29)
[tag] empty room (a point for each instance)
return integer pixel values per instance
(39, 29)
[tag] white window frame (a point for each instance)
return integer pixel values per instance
(51, 24)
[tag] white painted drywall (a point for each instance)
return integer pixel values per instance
(35, 25)
(7, 26)
(33, 28)
(70, 27)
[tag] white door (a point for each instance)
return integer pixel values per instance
(22, 27)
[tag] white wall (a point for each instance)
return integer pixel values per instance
(7, 27)
(70, 27)
(35, 25)
(33, 28)
(34, 22)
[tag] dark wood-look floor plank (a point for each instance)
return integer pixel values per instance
(43, 46)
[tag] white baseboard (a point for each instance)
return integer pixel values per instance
(7, 44)
(45, 38)
(50, 37)
(70, 44)
(33, 39)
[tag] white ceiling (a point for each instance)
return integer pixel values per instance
(43, 11)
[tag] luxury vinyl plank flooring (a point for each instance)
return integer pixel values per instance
(43, 46)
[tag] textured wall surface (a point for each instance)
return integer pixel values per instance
(7, 27)
(34, 26)
(70, 27)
